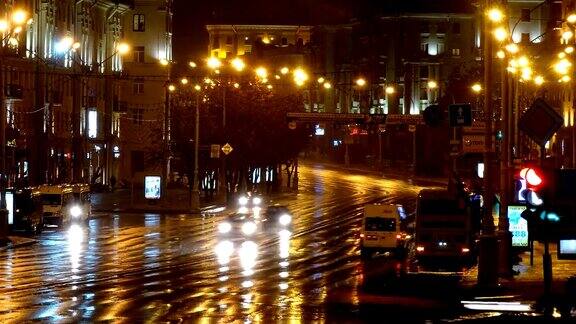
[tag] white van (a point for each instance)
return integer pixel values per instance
(54, 201)
(381, 229)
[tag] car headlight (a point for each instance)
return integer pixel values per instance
(257, 200)
(75, 211)
(249, 228)
(224, 227)
(285, 219)
(243, 201)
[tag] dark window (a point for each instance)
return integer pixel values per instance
(138, 24)
(137, 116)
(284, 41)
(139, 54)
(51, 199)
(424, 71)
(229, 40)
(424, 27)
(216, 42)
(525, 15)
(137, 161)
(525, 38)
(380, 224)
(456, 28)
(441, 28)
(441, 207)
(443, 224)
(138, 86)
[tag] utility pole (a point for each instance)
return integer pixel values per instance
(487, 265)
(223, 182)
(3, 211)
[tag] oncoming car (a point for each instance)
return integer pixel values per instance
(277, 218)
(238, 225)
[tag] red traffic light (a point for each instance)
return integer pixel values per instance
(532, 176)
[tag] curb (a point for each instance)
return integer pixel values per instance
(138, 210)
(18, 241)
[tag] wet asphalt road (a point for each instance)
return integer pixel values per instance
(135, 267)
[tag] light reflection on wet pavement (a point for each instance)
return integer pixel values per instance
(167, 268)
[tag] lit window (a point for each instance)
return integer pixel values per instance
(455, 52)
(92, 123)
(138, 23)
(139, 54)
(138, 86)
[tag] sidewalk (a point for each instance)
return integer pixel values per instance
(529, 280)
(176, 201)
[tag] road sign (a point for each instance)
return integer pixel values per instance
(540, 121)
(227, 149)
(460, 115)
(214, 151)
(473, 143)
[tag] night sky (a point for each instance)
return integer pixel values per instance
(191, 16)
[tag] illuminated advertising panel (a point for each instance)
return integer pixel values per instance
(152, 185)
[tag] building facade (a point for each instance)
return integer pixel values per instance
(65, 87)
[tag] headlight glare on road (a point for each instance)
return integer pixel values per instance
(75, 211)
(224, 249)
(285, 219)
(257, 200)
(243, 201)
(249, 228)
(243, 210)
(224, 228)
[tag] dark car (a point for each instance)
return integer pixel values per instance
(27, 209)
(277, 218)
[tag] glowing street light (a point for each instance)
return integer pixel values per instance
(236, 85)
(123, 48)
(562, 66)
(432, 84)
(17, 29)
(171, 88)
(19, 17)
(184, 81)
(538, 80)
(523, 61)
(238, 64)
(500, 34)
(197, 87)
(495, 15)
(321, 80)
(569, 50)
(164, 62)
(571, 18)
(500, 54)
(3, 25)
(192, 64)
(261, 72)
(567, 35)
(526, 73)
(512, 48)
(213, 63)
(477, 87)
(284, 70)
(565, 78)
(300, 76)
(360, 82)
(390, 90)
(327, 85)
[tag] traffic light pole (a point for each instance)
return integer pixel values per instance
(488, 245)
(546, 257)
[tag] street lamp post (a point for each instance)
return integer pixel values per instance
(195, 193)
(11, 30)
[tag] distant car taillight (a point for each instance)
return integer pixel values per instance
(465, 250)
(420, 248)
